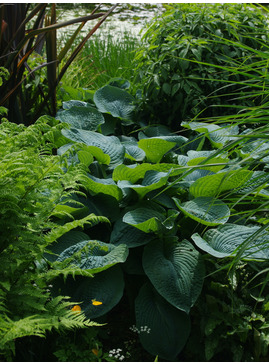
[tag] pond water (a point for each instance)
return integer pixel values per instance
(131, 17)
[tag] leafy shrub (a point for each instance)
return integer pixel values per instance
(33, 182)
(193, 58)
(173, 202)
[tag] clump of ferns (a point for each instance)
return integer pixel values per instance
(33, 182)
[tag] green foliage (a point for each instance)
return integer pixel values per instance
(169, 216)
(194, 60)
(33, 182)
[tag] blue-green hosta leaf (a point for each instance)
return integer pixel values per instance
(134, 172)
(206, 210)
(152, 181)
(113, 100)
(256, 184)
(126, 234)
(213, 185)
(256, 149)
(64, 242)
(156, 147)
(168, 327)
(105, 287)
(133, 152)
(94, 255)
(145, 219)
(197, 157)
(223, 241)
(82, 117)
(70, 103)
(175, 270)
(108, 144)
(103, 185)
(218, 135)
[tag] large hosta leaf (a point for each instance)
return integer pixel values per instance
(145, 219)
(124, 233)
(156, 147)
(213, 185)
(225, 240)
(106, 287)
(82, 117)
(168, 327)
(134, 172)
(103, 185)
(206, 210)
(218, 135)
(152, 181)
(133, 152)
(176, 271)
(113, 100)
(109, 144)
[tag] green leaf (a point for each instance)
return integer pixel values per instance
(225, 240)
(175, 270)
(134, 172)
(156, 147)
(152, 181)
(218, 135)
(115, 101)
(82, 117)
(108, 144)
(145, 219)
(213, 185)
(106, 287)
(103, 185)
(124, 233)
(169, 328)
(206, 210)
(94, 255)
(133, 152)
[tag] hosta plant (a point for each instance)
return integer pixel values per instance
(170, 204)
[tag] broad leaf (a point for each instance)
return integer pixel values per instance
(124, 233)
(105, 287)
(152, 181)
(145, 219)
(218, 135)
(115, 101)
(227, 239)
(134, 172)
(213, 185)
(156, 147)
(169, 328)
(206, 210)
(82, 117)
(109, 144)
(176, 271)
(102, 185)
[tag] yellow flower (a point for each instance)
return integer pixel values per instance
(76, 309)
(96, 303)
(95, 351)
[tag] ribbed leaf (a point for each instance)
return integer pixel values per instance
(175, 270)
(124, 233)
(206, 210)
(102, 185)
(223, 241)
(115, 101)
(109, 144)
(82, 117)
(218, 135)
(156, 147)
(169, 328)
(134, 172)
(145, 219)
(214, 184)
(133, 152)
(94, 255)
(152, 181)
(106, 287)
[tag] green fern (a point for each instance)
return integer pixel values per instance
(33, 184)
